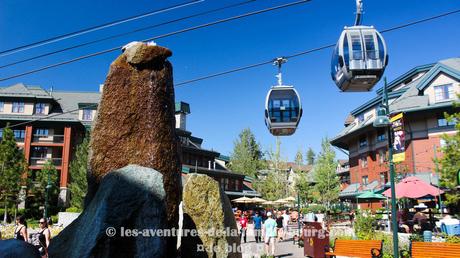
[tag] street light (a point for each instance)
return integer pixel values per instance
(382, 120)
(47, 188)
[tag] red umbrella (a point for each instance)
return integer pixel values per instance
(413, 187)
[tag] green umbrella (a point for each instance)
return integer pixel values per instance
(371, 195)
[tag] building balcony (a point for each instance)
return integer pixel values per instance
(48, 139)
(341, 170)
(39, 162)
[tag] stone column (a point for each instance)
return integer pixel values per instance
(136, 124)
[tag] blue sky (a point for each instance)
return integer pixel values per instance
(221, 107)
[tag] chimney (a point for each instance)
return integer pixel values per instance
(209, 164)
(101, 88)
(181, 111)
(214, 165)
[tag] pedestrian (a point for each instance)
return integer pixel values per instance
(279, 226)
(244, 225)
(269, 234)
(257, 227)
(286, 219)
(41, 240)
(20, 232)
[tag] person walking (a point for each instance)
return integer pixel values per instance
(44, 236)
(286, 219)
(257, 227)
(244, 226)
(20, 232)
(279, 226)
(269, 234)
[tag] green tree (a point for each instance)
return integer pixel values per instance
(12, 168)
(327, 187)
(303, 186)
(247, 155)
(78, 168)
(299, 159)
(48, 172)
(310, 156)
(450, 163)
(272, 187)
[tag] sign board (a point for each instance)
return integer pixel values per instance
(399, 139)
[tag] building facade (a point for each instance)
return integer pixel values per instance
(47, 126)
(422, 95)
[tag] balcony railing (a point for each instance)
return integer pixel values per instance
(48, 138)
(343, 169)
(37, 161)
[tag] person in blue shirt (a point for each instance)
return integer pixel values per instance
(257, 227)
(269, 233)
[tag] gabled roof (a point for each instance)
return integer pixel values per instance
(22, 91)
(449, 66)
(405, 76)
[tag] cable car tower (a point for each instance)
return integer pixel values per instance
(283, 109)
(360, 56)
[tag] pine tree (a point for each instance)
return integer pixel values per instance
(272, 187)
(327, 185)
(48, 172)
(78, 169)
(310, 156)
(450, 163)
(299, 159)
(12, 168)
(247, 155)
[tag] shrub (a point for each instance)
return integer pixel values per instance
(73, 209)
(416, 238)
(453, 239)
(364, 225)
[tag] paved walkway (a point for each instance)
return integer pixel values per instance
(282, 249)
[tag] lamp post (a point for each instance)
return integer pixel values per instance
(382, 120)
(47, 188)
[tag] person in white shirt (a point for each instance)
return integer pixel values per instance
(286, 219)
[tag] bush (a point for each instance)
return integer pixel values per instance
(365, 225)
(73, 209)
(453, 239)
(314, 208)
(416, 238)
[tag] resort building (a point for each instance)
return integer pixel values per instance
(420, 97)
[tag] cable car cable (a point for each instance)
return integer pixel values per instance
(310, 50)
(126, 33)
(94, 28)
(157, 37)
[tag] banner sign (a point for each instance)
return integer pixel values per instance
(399, 140)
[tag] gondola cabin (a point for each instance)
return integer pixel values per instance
(282, 110)
(359, 59)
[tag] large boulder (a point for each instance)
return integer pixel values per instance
(129, 198)
(13, 248)
(207, 209)
(136, 124)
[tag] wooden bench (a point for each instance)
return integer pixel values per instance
(434, 249)
(357, 248)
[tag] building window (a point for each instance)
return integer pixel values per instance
(442, 121)
(384, 177)
(87, 114)
(361, 118)
(19, 134)
(382, 156)
(40, 108)
(18, 107)
(362, 141)
(363, 161)
(1, 106)
(365, 180)
(239, 185)
(443, 92)
(381, 135)
(39, 152)
(41, 132)
(1, 134)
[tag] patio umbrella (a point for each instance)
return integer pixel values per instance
(268, 203)
(258, 200)
(413, 187)
(243, 200)
(281, 201)
(371, 195)
(290, 199)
